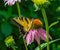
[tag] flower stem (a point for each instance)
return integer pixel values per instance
(46, 25)
(25, 43)
(39, 47)
(13, 47)
(18, 8)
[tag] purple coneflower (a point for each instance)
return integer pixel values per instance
(36, 34)
(11, 2)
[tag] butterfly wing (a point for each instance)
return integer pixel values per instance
(25, 22)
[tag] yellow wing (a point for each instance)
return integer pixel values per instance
(26, 24)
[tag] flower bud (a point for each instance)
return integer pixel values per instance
(9, 40)
(39, 2)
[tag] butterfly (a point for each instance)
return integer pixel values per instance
(26, 23)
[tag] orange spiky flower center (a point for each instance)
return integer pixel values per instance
(37, 22)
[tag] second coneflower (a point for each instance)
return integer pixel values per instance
(11, 2)
(36, 34)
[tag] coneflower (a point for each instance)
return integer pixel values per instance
(36, 34)
(11, 2)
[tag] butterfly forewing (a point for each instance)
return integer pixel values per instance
(25, 22)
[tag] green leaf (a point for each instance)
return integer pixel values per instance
(1, 36)
(45, 44)
(3, 13)
(9, 12)
(54, 23)
(6, 14)
(6, 28)
(37, 8)
(58, 8)
(54, 47)
(2, 45)
(58, 47)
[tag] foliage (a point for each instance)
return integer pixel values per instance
(8, 26)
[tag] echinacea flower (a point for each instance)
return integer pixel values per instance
(36, 34)
(11, 2)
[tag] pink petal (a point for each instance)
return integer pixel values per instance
(11, 2)
(42, 33)
(37, 38)
(30, 37)
(19, 0)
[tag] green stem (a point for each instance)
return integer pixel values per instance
(18, 8)
(39, 47)
(13, 47)
(46, 24)
(25, 43)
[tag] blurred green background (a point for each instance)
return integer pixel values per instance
(27, 10)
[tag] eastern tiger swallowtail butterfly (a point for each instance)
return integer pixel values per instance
(26, 24)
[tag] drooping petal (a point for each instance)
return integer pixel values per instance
(37, 38)
(30, 37)
(36, 34)
(33, 34)
(11, 2)
(42, 34)
(50, 37)
(19, 0)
